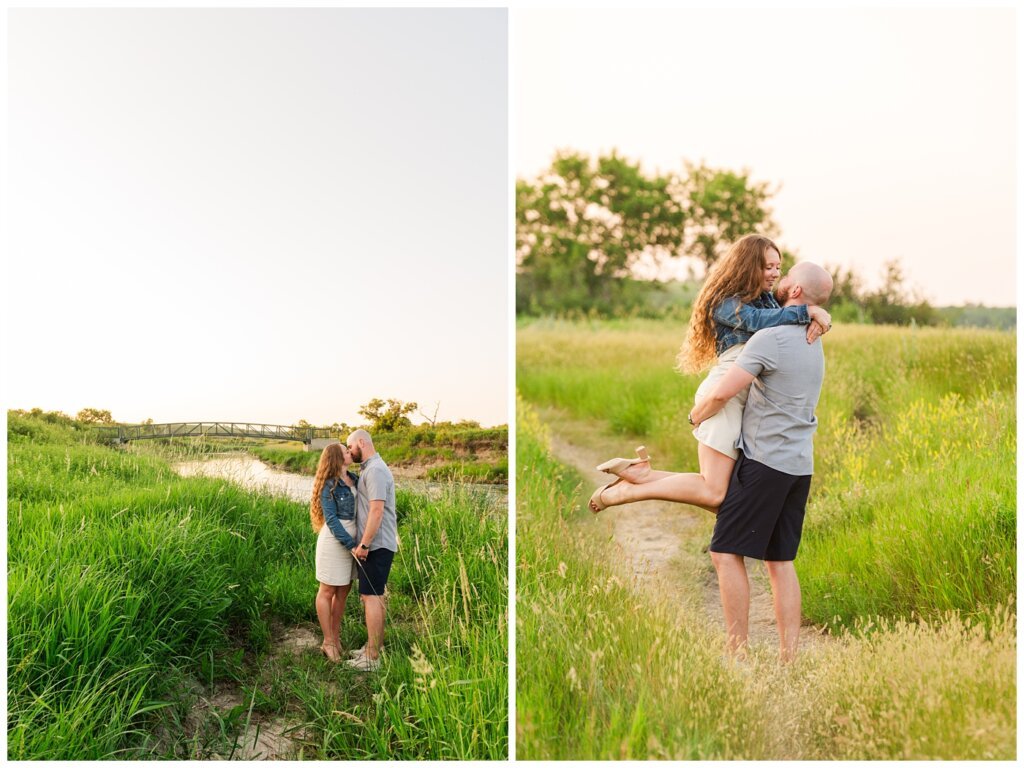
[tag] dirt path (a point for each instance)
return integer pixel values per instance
(662, 544)
(258, 736)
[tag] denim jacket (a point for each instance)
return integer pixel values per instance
(339, 503)
(736, 322)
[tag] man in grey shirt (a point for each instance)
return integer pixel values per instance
(377, 526)
(763, 511)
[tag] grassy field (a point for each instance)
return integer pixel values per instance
(133, 593)
(908, 558)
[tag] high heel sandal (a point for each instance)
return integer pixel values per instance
(618, 466)
(323, 650)
(595, 499)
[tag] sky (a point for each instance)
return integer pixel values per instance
(888, 134)
(257, 215)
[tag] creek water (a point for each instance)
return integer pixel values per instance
(251, 473)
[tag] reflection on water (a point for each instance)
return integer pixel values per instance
(251, 473)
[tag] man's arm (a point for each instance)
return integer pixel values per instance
(372, 524)
(735, 380)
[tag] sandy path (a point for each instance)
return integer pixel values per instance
(662, 543)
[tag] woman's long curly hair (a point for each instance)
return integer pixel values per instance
(332, 465)
(739, 273)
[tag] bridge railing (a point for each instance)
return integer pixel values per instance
(123, 433)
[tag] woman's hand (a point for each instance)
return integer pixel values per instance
(821, 323)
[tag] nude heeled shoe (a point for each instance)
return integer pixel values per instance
(596, 504)
(618, 466)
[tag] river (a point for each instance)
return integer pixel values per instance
(251, 473)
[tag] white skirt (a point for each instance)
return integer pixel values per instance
(335, 565)
(723, 429)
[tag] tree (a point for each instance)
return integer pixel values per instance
(340, 428)
(583, 224)
(94, 416)
(387, 416)
(721, 207)
(432, 420)
(893, 304)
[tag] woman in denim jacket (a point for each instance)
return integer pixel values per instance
(332, 511)
(735, 302)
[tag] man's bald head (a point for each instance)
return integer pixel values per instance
(815, 282)
(361, 445)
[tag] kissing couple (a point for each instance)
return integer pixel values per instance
(354, 517)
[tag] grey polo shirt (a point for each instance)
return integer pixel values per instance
(779, 421)
(377, 484)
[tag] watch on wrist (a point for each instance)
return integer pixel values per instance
(364, 546)
(689, 418)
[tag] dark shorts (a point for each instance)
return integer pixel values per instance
(762, 515)
(374, 570)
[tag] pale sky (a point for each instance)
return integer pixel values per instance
(257, 214)
(892, 133)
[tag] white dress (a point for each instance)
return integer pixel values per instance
(335, 564)
(723, 429)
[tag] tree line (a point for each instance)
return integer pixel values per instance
(587, 228)
(381, 415)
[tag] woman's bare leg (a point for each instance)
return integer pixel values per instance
(706, 489)
(337, 612)
(324, 600)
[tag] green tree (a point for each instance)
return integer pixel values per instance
(583, 224)
(94, 416)
(387, 416)
(893, 303)
(846, 303)
(721, 207)
(52, 417)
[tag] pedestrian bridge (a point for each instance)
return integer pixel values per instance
(124, 433)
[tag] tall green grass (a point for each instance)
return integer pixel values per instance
(596, 679)
(126, 583)
(605, 674)
(913, 503)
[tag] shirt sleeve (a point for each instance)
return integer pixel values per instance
(760, 354)
(373, 480)
(733, 313)
(331, 520)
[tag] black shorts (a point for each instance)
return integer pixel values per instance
(762, 515)
(374, 570)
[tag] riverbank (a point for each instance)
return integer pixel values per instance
(463, 454)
